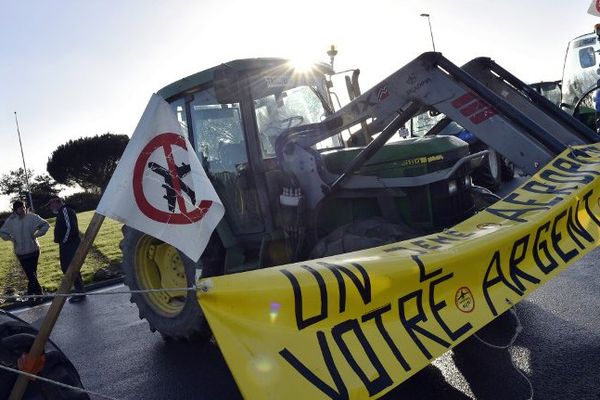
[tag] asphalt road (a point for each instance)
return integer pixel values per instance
(117, 355)
(558, 350)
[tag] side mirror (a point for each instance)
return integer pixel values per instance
(226, 85)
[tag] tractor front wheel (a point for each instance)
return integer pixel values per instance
(151, 264)
(363, 234)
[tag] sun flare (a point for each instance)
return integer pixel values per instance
(303, 63)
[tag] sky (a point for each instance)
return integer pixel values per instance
(72, 68)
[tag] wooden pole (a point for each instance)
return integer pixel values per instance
(37, 348)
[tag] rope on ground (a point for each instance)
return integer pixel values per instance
(518, 330)
(56, 383)
(106, 293)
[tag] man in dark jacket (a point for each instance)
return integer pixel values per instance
(66, 234)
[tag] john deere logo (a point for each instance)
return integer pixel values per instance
(464, 300)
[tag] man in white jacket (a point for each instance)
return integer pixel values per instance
(23, 229)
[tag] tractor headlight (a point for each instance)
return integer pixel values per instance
(452, 187)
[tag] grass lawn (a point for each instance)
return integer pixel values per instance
(105, 251)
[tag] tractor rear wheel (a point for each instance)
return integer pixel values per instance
(149, 263)
(16, 338)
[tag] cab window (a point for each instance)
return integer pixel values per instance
(587, 57)
(220, 143)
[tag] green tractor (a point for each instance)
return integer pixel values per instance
(298, 181)
(579, 88)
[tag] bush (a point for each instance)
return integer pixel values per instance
(83, 201)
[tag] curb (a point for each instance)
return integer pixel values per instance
(90, 287)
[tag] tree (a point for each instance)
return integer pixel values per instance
(13, 183)
(43, 187)
(88, 162)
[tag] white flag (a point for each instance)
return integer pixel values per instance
(159, 186)
(594, 8)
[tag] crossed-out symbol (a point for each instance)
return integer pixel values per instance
(173, 185)
(464, 300)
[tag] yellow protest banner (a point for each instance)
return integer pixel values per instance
(356, 325)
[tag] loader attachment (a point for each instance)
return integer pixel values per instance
(526, 99)
(515, 121)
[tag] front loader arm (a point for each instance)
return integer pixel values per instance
(528, 140)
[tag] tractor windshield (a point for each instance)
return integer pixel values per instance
(580, 71)
(278, 112)
(281, 109)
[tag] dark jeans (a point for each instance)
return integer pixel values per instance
(66, 252)
(29, 263)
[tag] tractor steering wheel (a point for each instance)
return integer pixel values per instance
(273, 130)
(290, 121)
(584, 99)
(587, 100)
(276, 127)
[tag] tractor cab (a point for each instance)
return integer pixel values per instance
(581, 79)
(234, 114)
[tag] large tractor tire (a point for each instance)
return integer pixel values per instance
(16, 338)
(377, 231)
(360, 235)
(149, 263)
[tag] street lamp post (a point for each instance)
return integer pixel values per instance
(430, 30)
(24, 166)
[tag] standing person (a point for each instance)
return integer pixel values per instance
(23, 229)
(66, 234)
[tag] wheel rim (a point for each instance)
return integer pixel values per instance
(158, 265)
(494, 165)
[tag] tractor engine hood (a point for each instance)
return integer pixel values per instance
(409, 157)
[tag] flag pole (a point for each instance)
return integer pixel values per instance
(24, 166)
(37, 348)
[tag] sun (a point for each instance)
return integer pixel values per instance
(303, 63)
(304, 56)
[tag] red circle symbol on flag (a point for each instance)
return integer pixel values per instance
(173, 184)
